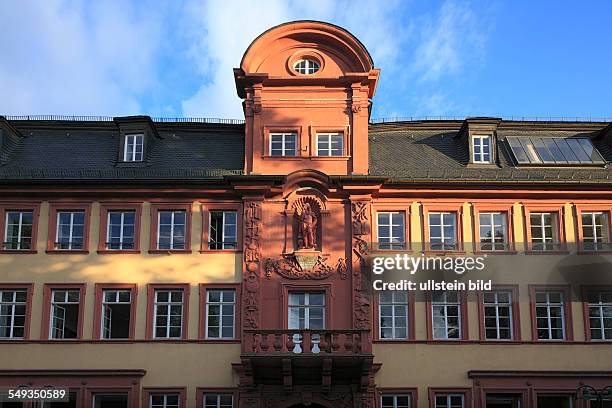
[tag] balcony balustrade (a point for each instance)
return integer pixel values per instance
(307, 342)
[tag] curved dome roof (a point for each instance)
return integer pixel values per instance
(316, 34)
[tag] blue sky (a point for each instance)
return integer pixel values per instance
(174, 58)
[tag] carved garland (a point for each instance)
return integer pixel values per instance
(252, 258)
(289, 268)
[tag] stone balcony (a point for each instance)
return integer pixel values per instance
(307, 342)
(306, 357)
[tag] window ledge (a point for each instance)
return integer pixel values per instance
(18, 251)
(68, 251)
(165, 340)
(453, 252)
(220, 341)
(118, 251)
(128, 164)
(386, 251)
(170, 251)
(128, 340)
(329, 158)
(289, 158)
(556, 252)
(505, 252)
(313, 158)
(221, 251)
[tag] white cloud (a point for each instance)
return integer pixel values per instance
(176, 58)
(448, 41)
(68, 57)
(221, 32)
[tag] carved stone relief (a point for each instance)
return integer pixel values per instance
(361, 231)
(252, 258)
(291, 268)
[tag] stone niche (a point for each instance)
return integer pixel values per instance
(305, 217)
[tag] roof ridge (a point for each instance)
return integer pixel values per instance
(94, 118)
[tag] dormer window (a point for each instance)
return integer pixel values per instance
(481, 149)
(306, 67)
(133, 148)
(283, 144)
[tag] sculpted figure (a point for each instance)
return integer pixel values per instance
(308, 227)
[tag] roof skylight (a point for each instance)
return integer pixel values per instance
(554, 150)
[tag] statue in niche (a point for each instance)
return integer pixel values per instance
(308, 227)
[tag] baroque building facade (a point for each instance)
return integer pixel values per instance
(194, 263)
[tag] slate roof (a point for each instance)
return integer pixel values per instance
(423, 152)
(81, 151)
(403, 152)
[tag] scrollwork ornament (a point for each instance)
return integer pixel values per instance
(289, 268)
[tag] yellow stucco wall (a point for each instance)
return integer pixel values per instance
(197, 364)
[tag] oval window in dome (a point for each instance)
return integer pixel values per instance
(306, 66)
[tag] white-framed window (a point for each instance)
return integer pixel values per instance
(171, 229)
(13, 304)
(218, 400)
(306, 66)
(482, 149)
(498, 315)
(493, 231)
(600, 315)
(116, 313)
(446, 315)
(134, 148)
(168, 314)
(393, 315)
(595, 230)
(391, 229)
(449, 401)
(330, 144)
(159, 400)
(65, 310)
(544, 231)
(70, 230)
(306, 310)
(550, 316)
(223, 230)
(395, 401)
(120, 230)
(283, 144)
(18, 230)
(443, 231)
(220, 313)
